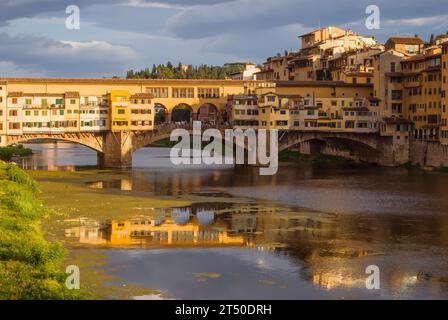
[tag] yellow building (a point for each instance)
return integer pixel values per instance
(243, 111)
(406, 45)
(320, 48)
(444, 96)
(318, 106)
(277, 111)
(120, 110)
(277, 67)
(2, 113)
(141, 112)
(56, 106)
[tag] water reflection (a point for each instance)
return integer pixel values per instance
(173, 227)
(308, 232)
(326, 251)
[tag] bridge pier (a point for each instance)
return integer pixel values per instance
(117, 150)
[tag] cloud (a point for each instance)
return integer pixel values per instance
(14, 9)
(206, 21)
(61, 58)
(172, 3)
(116, 35)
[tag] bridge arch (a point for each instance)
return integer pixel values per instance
(91, 141)
(161, 113)
(208, 113)
(346, 145)
(182, 112)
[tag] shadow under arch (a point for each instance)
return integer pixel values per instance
(161, 114)
(208, 113)
(346, 146)
(182, 112)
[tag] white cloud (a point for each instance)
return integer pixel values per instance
(61, 58)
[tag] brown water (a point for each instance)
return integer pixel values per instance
(158, 231)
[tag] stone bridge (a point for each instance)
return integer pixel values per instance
(115, 148)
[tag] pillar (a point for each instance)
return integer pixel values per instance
(167, 117)
(117, 150)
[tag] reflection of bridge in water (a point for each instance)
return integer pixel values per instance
(172, 227)
(316, 243)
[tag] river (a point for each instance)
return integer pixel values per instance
(162, 232)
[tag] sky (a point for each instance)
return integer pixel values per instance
(118, 35)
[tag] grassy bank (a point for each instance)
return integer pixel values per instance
(29, 265)
(7, 153)
(288, 155)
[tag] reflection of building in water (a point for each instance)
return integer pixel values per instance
(88, 231)
(177, 228)
(325, 252)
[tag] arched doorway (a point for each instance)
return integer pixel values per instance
(161, 114)
(182, 113)
(208, 113)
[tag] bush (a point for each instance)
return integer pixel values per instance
(29, 265)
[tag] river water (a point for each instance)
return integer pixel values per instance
(309, 232)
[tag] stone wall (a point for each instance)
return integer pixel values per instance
(429, 154)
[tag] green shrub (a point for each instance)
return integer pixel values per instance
(29, 265)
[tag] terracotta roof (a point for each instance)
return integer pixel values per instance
(394, 120)
(321, 84)
(394, 74)
(27, 94)
(142, 96)
(15, 94)
(431, 126)
(127, 81)
(432, 68)
(265, 71)
(72, 94)
(422, 57)
(359, 74)
(406, 40)
(355, 109)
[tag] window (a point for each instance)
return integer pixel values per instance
(14, 100)
(14, 125)
(121, 111)
(271, 98)
(36, 112)
(392, 67)
(397, 94)
(27, 113)
(44, 102)
(72, 101)
(158, 92)
(28, 102)
(59, 101)
(13, 113)
(208, 92)
(183, 92)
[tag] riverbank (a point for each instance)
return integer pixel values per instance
(29, 265)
